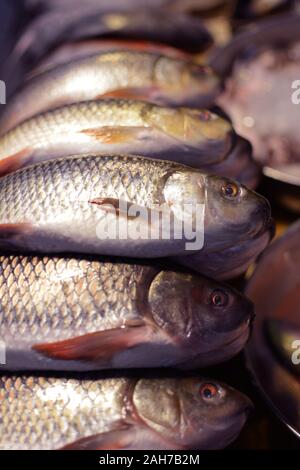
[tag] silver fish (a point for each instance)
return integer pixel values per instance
(119, 413)
(84, 204)
(194, 137)
(85, 314)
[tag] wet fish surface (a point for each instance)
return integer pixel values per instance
(119, 413)
(194, 137)
(85, 314)
(67, 205)
(127, 74)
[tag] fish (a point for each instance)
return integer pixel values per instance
(119, 413)
(125, 206)
(70, 51)
(128, 74)
(89, 314)
(189, 136)
(284, 338)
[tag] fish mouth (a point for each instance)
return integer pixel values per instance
(262, 218)
(242, 337)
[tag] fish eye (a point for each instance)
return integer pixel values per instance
(205, 116)
(230, 190)
(208, 391)
(219, 298)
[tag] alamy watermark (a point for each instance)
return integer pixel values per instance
(2, 353)
(296, 354)
(296, 93)
(128, 221)
(2, 92)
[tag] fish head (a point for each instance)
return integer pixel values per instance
(222, 211)
(208, 321)
(191, 412)
(192, 128)
(183, 81)
(234, 211)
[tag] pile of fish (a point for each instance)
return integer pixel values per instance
(104, 120)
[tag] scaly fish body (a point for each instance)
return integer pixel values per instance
(84, 204)
(84, 314)
(118, 413)
(193, 137)
(122, 73)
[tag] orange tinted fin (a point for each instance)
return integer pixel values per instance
(98, 346)
(11, 231)
(111, 440)
(15, 161)
(130, 93)
(113, 135)
(115, 206)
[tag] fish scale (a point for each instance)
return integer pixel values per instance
(77, 408)
(42, 302)
(70, 179)
(118, 413)
(195, 137)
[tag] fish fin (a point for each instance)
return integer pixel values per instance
(143, 93)
(15, 161)
(114, 206)
(125, 436)
(113, 135)
(112, 440)
(98, 346)
(12, 231)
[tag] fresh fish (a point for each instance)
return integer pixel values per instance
(70, 51)
(285, 339)
(119, 413)
(84, 314)
(190, 136)
(122, 73)
(117, 205)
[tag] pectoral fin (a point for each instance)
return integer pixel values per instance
(10, 234)
(143, 93)
(135, 436)
(100, 346)
(15, 161)
(112, 440)
(119, 207)
(113, 135)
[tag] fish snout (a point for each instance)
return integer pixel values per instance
(262, 215)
